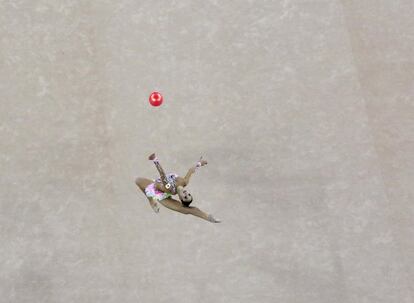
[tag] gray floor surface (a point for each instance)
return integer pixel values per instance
(304, 110)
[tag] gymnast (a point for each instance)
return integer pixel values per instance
(164, 188)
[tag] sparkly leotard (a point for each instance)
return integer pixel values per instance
(152, 192)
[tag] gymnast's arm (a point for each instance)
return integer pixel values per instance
(192, 170)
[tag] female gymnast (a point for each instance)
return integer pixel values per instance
(162, 189)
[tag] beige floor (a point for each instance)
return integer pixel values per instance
(304, 109)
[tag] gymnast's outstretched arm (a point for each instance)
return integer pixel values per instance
(192, 170)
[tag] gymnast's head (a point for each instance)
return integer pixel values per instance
(185, 197)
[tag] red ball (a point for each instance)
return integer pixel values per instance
(155, 99)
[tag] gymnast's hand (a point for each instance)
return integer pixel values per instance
(202, 161)
(152, 156)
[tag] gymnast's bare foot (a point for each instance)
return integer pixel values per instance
(152, 156)
(155, 206)
(213, 220)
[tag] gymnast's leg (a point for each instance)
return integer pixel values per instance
(142, 183)
(177, 206)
